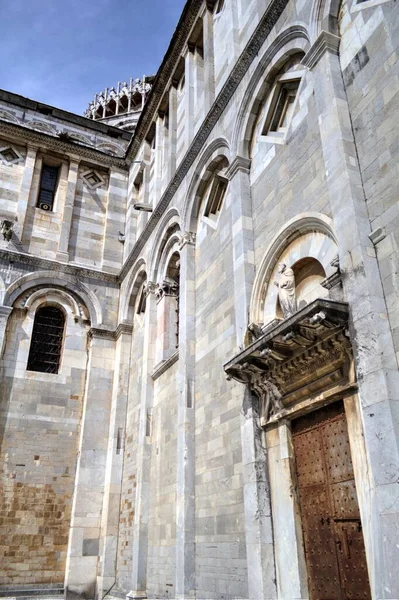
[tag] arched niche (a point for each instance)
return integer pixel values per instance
(307, 246)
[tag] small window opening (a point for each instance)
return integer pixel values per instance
(283, 109)
(216, 197)
(48, 185)
(47, 338)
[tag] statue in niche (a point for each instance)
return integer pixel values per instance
(286, 290)
(7, 229)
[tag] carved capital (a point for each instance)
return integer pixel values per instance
(238, 164)
(150, 288)
(168, 287)
(326, 42)
(188, 238)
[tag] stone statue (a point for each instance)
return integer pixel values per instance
(6, 230)
(286, 290)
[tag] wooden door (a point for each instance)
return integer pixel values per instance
(334, 546)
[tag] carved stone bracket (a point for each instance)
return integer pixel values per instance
(168, 287)
(298, 358)
(150, 288)
(186, 238)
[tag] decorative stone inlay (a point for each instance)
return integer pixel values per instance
(92, 179)
(297, 358)
(10, 156)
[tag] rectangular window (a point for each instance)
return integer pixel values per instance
(216, 197)
(280, 115)
(48, 186)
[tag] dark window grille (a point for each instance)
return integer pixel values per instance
(47, 337)
(48, 184)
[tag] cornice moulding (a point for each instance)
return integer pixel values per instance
(38, 139)
(52, 265)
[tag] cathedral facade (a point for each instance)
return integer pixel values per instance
(199, 317)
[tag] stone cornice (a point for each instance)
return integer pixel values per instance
(52, 265)
(164, 366)
(36, 138)
(110, 334)
(250, 52)
(326, 42)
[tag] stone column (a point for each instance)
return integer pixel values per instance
(258, 518)
(141, 514)
(258, 521)
(26, 187)
(85, 529)
(209, 60)
(114, 466)
(115, 220)
(62, 254)
(185, 499)
(376, 366)
(171, 162)
(5, 312)
(189, 97)
(243, 242)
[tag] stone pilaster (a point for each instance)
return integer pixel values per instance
(371, 336)
(185, 501)
(114, 466)
(141, 514)
(63, 244)
(257, 505)
(209, 60)
(189, 97)
(5, 312)
(115, 221)
(84, 538)
(243, 242)
(26, 187)
(171, 160)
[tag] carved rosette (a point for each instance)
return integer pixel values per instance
(297, 359)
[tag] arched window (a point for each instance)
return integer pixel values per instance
(46, 343)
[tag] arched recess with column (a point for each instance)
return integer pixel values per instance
(44, 370)
(291, 40)
(306, 244)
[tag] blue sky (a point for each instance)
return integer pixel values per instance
(62, 52)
